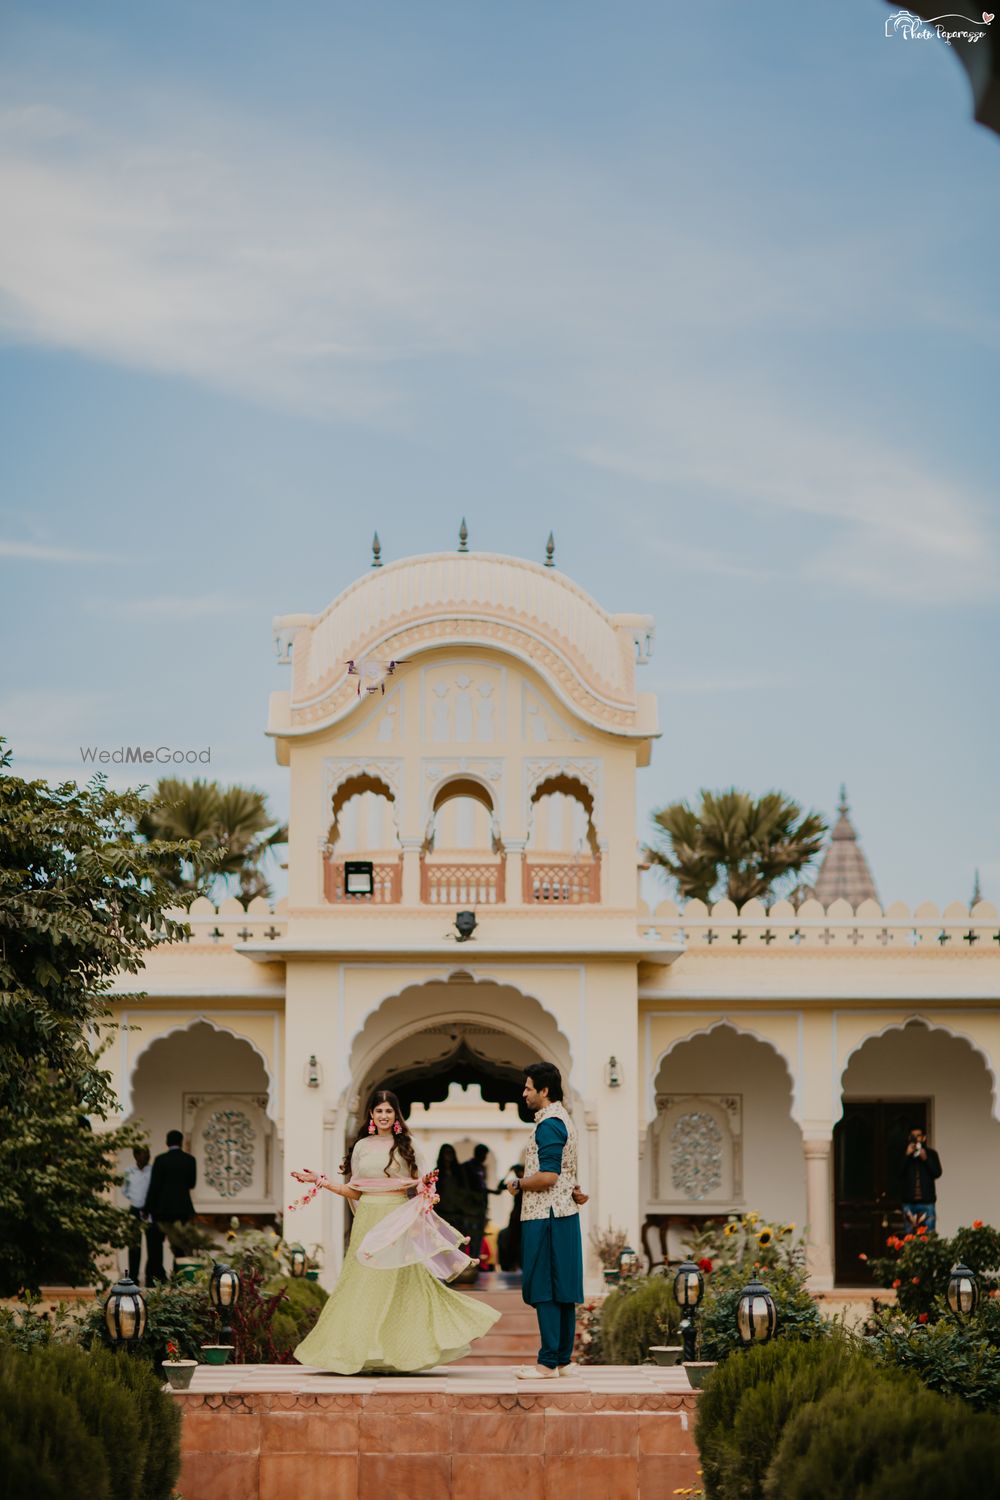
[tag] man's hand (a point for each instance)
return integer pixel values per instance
(514, 1187)
(579, 1196)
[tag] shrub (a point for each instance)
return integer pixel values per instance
(297, 1313)
(917, 1269)
(107, 1408)
(160, 1419)
(953, 1359)
(48, 1454)
(636, 1314)
(799, 1317)
(965, 1468)
(836, 1448)
(746, 1404)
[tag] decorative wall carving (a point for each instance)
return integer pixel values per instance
(696, 1153)
(231, 1139)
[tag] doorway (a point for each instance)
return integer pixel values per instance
(869, 1153)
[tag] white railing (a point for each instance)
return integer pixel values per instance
(755, 927)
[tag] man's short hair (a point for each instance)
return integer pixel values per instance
(481, 1153)
(545, 1076)
(141, 1154)
(174, 1138)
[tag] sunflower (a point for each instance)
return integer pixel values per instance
(765, 1237)
(730, 1229)
(788, 1229)
(750, 1219)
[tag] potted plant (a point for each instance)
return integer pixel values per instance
(216, 1354)
(189, 1244)
(178, 1371)
(698, 1371)
(666, 1354)
(609, 1244)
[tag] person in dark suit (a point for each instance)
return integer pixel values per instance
(168, 1201)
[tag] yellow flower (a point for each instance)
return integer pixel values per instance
(750, 1219)
(765, 1237)
(788, 1229)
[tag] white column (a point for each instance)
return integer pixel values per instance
(514, 872)
(818, 1153)
(411, 871)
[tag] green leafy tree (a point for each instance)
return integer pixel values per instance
(734, 844)
(82, 899)
(232, 827)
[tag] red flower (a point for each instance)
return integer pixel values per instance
(915, 1280)
(862, 1256)
(705, 1265)
(977, 1223)
(896, 1283)
(921, 1230)
(907, 1238)
(923, 1317)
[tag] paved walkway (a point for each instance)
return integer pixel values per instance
(453, 1380)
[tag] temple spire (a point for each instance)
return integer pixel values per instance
(844, 872)
(550, 551)
(463, 537)
(977, 891)
(376, 551)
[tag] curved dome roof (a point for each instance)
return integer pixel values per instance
(417, 604)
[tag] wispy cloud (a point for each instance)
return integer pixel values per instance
(42, 552)
(168, 607)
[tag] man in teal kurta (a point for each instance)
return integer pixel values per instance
(551, 1246)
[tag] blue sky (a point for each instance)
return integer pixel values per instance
(714, 299)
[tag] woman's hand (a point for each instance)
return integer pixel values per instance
(305, 1176)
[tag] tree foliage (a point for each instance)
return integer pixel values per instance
(231, 826)
(82, 899)
(748, 844)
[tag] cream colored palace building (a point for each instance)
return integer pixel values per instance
(715, 1060)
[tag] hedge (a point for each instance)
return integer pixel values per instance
(636, 1314)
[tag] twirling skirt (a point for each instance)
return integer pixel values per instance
(401, 1320)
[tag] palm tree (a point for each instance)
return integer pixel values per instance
(232, 825)
(750, 843)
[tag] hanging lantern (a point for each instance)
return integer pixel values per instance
(689, 1286)
(125, 1312)
(297, 1260)
(756, 1315)
(628, 1262)
(962, 1291)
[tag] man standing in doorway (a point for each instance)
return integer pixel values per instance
(551, 1247)
(921, 1170)
(168, 1201)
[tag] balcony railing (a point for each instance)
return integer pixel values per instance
(462, 884)
(569, 884)
(387, 883)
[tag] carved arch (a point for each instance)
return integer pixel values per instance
(741, 1029)
(929, 1026)
(127, 1090)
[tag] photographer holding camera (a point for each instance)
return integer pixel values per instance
(921, 1170)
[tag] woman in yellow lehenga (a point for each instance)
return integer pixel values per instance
(390, 1309)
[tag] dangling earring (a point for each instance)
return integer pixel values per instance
(397, 1129)
(371, 1127)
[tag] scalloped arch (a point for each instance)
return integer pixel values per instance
(127, 1092)
(727, 1023)
(929, 1026)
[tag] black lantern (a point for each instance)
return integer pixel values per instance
(359, 877)
(125, 1312)
(628, 1262)
(689, 1288)
(756, 1315)
(963, 1291)
(297, 1260)
(224, 1291)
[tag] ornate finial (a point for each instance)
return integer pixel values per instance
(376, 551)
(977, 892)
(842, 806)
(463, 537)
(550, 551)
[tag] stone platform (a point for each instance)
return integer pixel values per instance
(281, 1432)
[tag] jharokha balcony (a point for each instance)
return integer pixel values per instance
(545, 880)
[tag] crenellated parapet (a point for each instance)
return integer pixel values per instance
(755, 928)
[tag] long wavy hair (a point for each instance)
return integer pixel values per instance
(403, 1142)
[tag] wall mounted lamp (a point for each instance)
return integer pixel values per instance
(613, 1074)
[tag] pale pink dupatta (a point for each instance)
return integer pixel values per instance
(413, 1234)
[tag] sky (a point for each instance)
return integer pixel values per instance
(711, 296)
